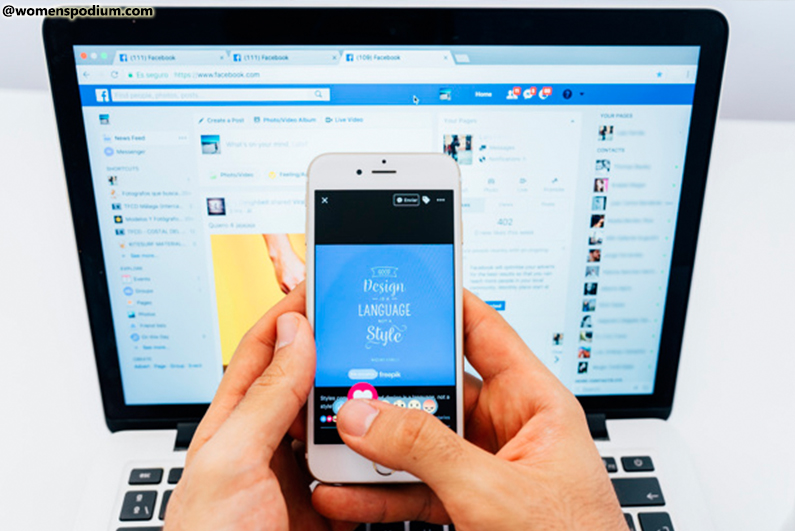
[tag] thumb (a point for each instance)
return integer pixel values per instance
(410, 440)
(275, 398)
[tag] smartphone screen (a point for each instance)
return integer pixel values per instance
(384, 302)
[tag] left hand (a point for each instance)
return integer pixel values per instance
(240, 471)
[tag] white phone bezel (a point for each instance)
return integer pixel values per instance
(412, 171)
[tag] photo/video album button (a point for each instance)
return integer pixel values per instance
(406, 200)
(362, 390)
(362, 374)
(382, 470)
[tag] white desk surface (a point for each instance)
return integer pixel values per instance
(735, 399)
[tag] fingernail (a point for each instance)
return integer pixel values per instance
(286, 328)
(356, 418)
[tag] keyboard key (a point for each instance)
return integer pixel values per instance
(637, 492)
(630, 522)
(174, 476)
(610, 464)
(637, 463)
(166, 497)
(392, 526)
(655, 522)
(146, 476)
(424, 526)
(138, 505)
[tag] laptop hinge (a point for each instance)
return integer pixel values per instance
(185, 431)
(597, 424)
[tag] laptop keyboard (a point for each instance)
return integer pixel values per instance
(637, 489)
(147, 491)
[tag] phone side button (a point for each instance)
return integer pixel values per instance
(382, 470)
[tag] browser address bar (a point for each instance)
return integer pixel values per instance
(214, 94)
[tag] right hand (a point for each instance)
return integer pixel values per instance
(529, 462)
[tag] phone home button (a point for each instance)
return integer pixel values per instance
(382, 470)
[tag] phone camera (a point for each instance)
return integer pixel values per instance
(358, 172)
(383, 161)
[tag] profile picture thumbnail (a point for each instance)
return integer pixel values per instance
(589, 305)
(582, 367)
(596, 237)
(216, 206)
(599, 202)
(600, 185)
(586, 336)
(598, 221)
(459, 147)
(603, 166)
(557, 339)
(590, 288)
(104, 119)
(595, 255)
(592, 272)
(586, 322)
(211, 144)
(605, 133)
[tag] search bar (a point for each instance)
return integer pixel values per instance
(210, 94)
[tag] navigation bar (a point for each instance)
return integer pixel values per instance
(391, 94)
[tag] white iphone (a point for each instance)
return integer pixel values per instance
(384, 296)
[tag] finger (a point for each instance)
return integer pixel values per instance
(410, 440)
(275, 398)
(380, 503)
(495, 350)
(253, 355)
(472, 387)
(294, 483)
(298, 429)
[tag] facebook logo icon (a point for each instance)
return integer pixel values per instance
(349, 57)
(236, 57)
(122, 57)
(103, 95)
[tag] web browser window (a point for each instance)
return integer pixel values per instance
(571, 161)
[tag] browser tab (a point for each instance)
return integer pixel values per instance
(169, 57)
(286, 57)
(399, 58)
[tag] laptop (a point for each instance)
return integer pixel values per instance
(583, 138)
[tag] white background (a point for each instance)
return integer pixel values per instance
(760, 70)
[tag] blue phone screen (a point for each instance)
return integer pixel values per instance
(384, 303)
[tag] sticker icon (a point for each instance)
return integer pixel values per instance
(362, 390)
(399, 403)
(414, 404)
(430, 406)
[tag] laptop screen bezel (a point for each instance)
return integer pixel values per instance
(706, 29)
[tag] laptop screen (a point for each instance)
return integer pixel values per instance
(571, 161)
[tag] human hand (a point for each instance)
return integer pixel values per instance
(240, 472)
(528, 462)
(289, 268)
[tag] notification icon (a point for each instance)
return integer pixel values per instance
(545, 93)
(529, 93)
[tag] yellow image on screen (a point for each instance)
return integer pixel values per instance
(252, 273)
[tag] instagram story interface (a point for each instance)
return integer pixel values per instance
(384, 302)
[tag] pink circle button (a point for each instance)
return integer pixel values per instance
(362, 390)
